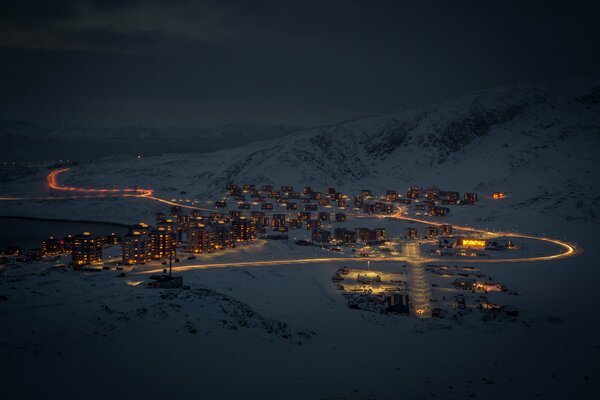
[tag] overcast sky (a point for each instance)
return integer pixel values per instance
(200, 63)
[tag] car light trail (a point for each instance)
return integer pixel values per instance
(52, 181)
(53, 184)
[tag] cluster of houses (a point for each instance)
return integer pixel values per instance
(390, 299)
(430, 200)
(200, 233)
(247, 212)
(267, 196)
(194, 232)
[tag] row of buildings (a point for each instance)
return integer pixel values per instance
(430, 232)
(427, 201)
(85, 248)
(358, 235)
(194, 232)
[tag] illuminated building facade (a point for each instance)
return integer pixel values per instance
(52, 246)
(293, 223)
(446, 229)
(359, 201)
(258, 217)
(162, 243)
(199, 239)
(379, 233)
(432, 231)
(344, 235)
(221, 236)
(278, 220)
(304, 216)
(244, 230)
(452, 197)
(471, 242)
(469, 198)
(135, 248)
(391, 195)
(413, 192)
(87, 249)
(410, 233)
(439, 211)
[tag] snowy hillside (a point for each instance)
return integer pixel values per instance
(538, 142)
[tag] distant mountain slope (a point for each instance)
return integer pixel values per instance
(78, 143)
(25, 130)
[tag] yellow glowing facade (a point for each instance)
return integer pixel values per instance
(134, 248)
(162, 243)
(87, 249)
(473, 242)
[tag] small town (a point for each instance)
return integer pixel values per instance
(299, 200)
(329, 221)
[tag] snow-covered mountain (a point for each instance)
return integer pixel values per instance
(539, 142)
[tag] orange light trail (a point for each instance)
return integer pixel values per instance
(53, 184)
(52, 181)
(570, 249)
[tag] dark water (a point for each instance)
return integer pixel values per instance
(29, 233)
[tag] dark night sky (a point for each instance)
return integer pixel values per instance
(198, 63)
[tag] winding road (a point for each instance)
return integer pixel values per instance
(567, 249)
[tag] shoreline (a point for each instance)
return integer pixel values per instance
(81, 221)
